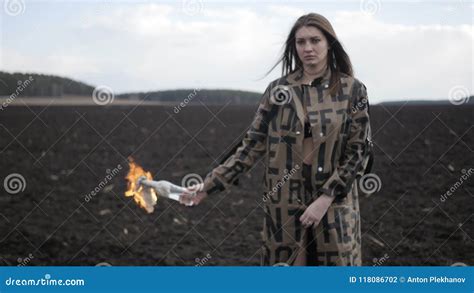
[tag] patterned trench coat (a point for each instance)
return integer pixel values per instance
(341, 135)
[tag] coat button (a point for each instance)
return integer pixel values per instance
(326, 86)
(320, 169)
(298, 132)
(321, 134)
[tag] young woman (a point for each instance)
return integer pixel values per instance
(312, 129)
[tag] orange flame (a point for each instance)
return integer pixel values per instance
(144, 197)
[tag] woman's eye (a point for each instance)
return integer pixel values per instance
(315, 41)
(300, 42)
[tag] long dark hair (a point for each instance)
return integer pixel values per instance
(338, 60)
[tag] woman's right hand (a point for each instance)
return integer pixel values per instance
(188, 199)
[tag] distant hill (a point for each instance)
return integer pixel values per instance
(41, 85)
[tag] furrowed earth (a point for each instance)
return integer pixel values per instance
(65, 152)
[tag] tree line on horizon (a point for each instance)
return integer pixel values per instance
(42, 85)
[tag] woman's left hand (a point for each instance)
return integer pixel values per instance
(316, 211)
(190, 199)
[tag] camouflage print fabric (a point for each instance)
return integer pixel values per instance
(341, 136)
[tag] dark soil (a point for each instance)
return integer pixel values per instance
(64, 153)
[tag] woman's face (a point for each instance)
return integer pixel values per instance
(311, 46)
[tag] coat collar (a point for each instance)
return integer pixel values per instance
(296, 77)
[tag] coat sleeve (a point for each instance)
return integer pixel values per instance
(355, 155)
(252, 147)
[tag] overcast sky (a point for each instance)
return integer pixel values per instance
(400, 49)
